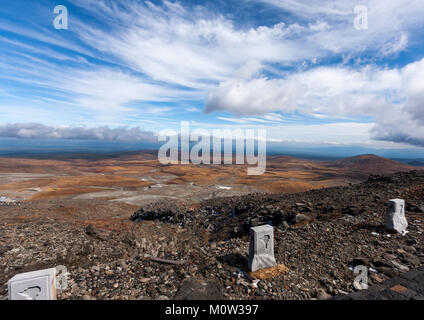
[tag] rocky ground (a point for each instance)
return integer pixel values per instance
(407, 286)
(320, 236)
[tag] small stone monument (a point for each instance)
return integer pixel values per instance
(36, 285)
(261, 250)
(395, 218)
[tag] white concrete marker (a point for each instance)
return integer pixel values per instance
(36, 285)
(261, 250)
(395, 218)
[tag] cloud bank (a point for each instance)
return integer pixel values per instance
(40, 131)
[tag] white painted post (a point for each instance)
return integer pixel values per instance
(395, 218)
(261, 250)
(36, 285)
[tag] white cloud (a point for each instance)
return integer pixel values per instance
(198, 49)
(40, 131)
(192, 109)
(111, 91)
(390, 25)
(399, 44)
(405, 122)
(274, 117)
(268, 118)
(393, 97)
(349, 133)
(330, 90)
(235, 120)
(189, 48)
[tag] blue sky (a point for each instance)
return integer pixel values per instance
(300, 69)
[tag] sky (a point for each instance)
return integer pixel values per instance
(303, 70)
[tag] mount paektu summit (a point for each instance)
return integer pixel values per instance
(127, 227)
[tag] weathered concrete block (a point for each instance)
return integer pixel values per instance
(395, 218)
(261, 250)
(36, 285)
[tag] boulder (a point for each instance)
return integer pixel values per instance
(199, 289)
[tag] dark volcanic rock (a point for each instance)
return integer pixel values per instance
(168, 215)
(226, 218)
(3, 250)
(350, 210)
(300, 218)
(90, 231)
(414, 208)
(199, 289)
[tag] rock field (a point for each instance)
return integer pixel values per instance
(320, 236)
